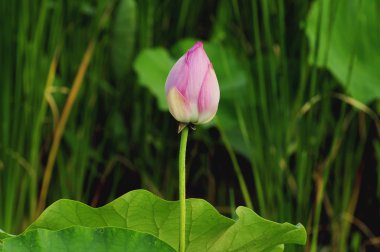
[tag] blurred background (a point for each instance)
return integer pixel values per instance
(83, 113)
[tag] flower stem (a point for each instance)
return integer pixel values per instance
(182, 188)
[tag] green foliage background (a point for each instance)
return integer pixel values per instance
(296, 137)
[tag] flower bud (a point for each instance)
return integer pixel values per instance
(192, 90)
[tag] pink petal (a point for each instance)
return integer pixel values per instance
(198, 62)
(178, 76)
(209, 95)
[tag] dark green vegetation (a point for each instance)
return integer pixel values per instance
(296, 136)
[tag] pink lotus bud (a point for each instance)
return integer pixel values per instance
(192, 90)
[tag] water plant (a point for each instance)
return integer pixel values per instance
(296, 136)
(142, 221)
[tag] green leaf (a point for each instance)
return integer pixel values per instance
(152, 67)
(348, 44)
(85, 239)
(4, 235)
(123, 37)
(253, 233)
(206, 229)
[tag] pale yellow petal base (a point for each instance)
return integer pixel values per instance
(178, 106)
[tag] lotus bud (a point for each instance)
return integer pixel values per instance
(192, 89)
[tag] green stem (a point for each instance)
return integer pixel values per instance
(182, 188)
(235, 165)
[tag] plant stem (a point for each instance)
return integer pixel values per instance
(235, 165)
(62, 125)
(182, 188)
(60, 128)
